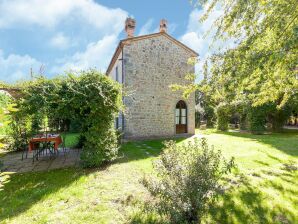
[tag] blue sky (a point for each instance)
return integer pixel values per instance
(60, 35)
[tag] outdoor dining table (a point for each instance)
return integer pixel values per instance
(50, 138)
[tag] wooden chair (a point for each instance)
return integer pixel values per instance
(24, 144)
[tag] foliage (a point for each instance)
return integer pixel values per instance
(89, 98)
(243, 121)
(188, 179)
(6, 108)
(257, 119)
(197, 119)
(261, 67)
(204, 102)
(278, 117)
(223, 116)
(264, 61)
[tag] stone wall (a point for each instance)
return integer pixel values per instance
(151, 65)
(118, 67)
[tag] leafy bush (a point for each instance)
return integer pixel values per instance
(97, 116)
(223, 116)
(197, 119)
(243, 121)
(209, 116)
(5, 100)
(90, 98)
(257, 119)
(188, 178)
(278, 117)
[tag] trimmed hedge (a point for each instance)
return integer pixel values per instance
(257, 119)
(223, 116)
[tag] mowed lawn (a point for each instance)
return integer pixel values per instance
(264, 189)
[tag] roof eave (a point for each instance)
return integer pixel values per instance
(128, 40)
(114, 58)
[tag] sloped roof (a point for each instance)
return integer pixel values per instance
(14, 92)
(129, 40)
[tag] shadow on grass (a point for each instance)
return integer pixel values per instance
(261, 162)
(286, 142)
(243, 203)
(146, 218)
(19, 192)
(248, 204)
(139, 150)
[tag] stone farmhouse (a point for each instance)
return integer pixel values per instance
(146, 66)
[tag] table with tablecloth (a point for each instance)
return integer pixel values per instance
(56, 139)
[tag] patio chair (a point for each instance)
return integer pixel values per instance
(51, 147)
(25, 149)
(48, 145)
(38, 149)
(64, 143)
(24, 144)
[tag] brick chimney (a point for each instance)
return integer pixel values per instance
(163, 25)
(130, 25)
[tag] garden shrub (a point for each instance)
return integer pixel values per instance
(89, 98)
(4, 103)
(223, 116)
(197, 119)
(278, 117)
(243, 121)
(209, 116)
(257, 119)
(97, 116)
(188, 179)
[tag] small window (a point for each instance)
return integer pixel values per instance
(117, 74)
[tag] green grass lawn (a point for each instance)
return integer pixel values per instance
(264, 189)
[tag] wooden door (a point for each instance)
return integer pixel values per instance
(181, 117)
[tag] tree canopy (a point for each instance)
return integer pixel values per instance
(262, 67)
(257, 77)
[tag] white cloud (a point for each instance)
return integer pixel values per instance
(60, 41)
(196, 35)
(81, 26)
(49, 14)
(171, 27)
(15, 67)
(147, 28)
(199, 35)
(194, 41)
(97, 55)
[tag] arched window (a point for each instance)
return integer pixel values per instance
(181, 117)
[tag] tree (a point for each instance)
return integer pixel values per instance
(261, 69)
(90, 98)
(263, 64)
(223, 116)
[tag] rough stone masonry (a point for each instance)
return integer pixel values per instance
(149, 65)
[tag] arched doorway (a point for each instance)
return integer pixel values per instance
(181, 117)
